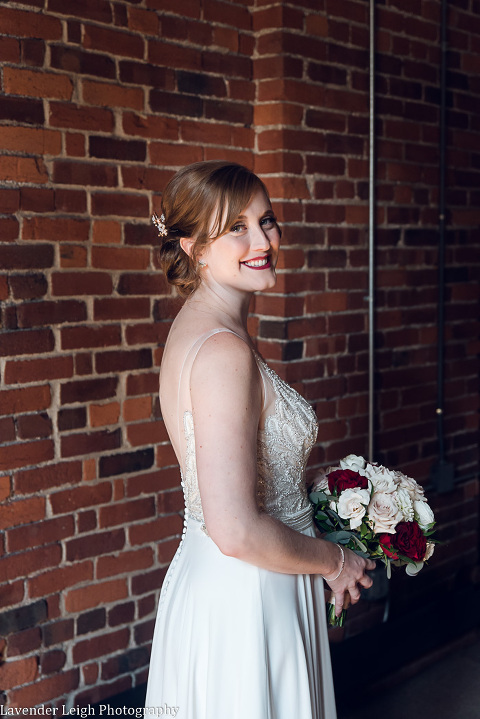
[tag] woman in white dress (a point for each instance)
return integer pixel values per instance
(241, 630)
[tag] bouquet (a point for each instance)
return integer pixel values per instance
(376, 512)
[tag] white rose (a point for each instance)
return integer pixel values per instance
(423, 514)
(430, 550)
(383, 513)
(413, 488)
(404, 503)
(354, 462)
(352, 505)
(382, 479)
(321, 483)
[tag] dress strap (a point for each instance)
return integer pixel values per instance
(195, 349)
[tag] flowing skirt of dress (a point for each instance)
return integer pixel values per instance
(234, 641)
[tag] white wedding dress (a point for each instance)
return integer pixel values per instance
(232, 640)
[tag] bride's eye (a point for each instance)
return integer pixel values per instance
(268, 222)
(239, 227)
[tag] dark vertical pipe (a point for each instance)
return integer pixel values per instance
(371, 243)
(441, 238)
(442, 472)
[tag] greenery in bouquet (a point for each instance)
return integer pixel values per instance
(378, 513)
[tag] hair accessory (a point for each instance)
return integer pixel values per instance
(160, 224)
(201, 263)
(332, 579)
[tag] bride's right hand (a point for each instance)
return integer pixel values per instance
(351, 579)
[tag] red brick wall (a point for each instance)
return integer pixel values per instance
(102, 102)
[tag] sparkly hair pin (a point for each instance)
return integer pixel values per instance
(159, 223)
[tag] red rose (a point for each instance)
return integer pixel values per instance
(387, 546)
(341, 479)
(409, 540)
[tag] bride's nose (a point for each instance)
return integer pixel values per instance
(260, 239)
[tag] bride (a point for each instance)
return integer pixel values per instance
(240, 630)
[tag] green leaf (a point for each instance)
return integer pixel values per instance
(341, 537)
(318, 497)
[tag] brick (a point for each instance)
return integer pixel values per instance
(91, 621)
(126, 462)
(121, 308)
(25, 453)
(26, 563)
(82, 173)
(166, 54)
(138, 408)
(158, 529)
(76, 117)
(80, 62)
(9, 229)
(164, 128)
(120, 258)
(40, 533)
(37, 84)
(39, 313)
(126, 662)
(57, 632)
(26, 399)
(45, 689)
(148, 581)
(108, 95)
(127, 512)
(34, 426)
(58, 580)
(16, 673)
(121, 614)
(120, 204)
(101, 415)
(74, 445)
(22, 169)
(96, 544)
(146, 433)
(22, 371)
(81, 337)
(72, 499)
(81, 283)
(100, 593)
(42, 478)
(108, 643)
(37, 200)
(24, 642)
(27, 24)
(124, 562)
(87, 390)
(24, 617)
(52, 662)
(98, 10)
(98, 38)
(120, 361)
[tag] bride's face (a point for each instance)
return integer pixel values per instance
(245, 257)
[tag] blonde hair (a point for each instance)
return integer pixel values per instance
(202, 201)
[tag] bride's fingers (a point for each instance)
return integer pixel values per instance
(365, 581)
(339, 602)
(354, 594)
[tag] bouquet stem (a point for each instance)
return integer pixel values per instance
(333, 620)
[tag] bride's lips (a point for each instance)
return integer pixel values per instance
(258, 263)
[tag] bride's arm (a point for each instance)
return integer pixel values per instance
(226, 391)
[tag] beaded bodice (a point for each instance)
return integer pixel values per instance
(283, 446)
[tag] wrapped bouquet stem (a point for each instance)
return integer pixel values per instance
(380, 514)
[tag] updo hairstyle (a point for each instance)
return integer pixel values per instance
(203, 201)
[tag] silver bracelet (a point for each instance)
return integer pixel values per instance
(332, 579)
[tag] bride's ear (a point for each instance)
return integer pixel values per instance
(186, 243)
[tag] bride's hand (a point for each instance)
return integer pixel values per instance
(351, 579)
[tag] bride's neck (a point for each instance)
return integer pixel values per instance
(222, 304)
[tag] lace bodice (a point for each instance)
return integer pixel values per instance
(283, 448)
